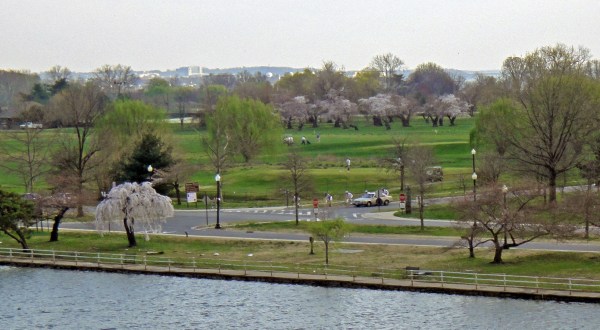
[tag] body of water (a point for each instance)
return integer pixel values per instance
(60, 299)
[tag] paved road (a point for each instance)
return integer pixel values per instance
(194, 222)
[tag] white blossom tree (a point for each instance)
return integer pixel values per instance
(452, 106)
(131, 202)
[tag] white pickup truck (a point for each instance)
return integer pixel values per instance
(30, 125)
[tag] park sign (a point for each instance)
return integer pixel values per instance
(192, 187)
(191, 190)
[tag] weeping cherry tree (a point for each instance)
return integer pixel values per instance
(133, 202)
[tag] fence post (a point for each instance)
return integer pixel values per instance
(537, 284)
(245, 272)
(194, 263)
(298, 269)
(31, 254)
(570, 286)
(381, 272)
(54, 257)
(476, 282)
(76, 258)
(504, 282)
(10, 254)
(98, 259)
(169, 265)
(145, 263)
(442, 278)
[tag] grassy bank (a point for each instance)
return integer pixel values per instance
(517, 262)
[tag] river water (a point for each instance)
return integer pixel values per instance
(61, 299)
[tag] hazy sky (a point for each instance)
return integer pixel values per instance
(151, 34)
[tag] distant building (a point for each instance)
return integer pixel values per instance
(194, 71)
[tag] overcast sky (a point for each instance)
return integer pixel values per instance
(151, 34)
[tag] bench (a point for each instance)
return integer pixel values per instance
(413, 272)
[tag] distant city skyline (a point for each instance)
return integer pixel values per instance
(165, 35)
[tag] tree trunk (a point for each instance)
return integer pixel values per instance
(377, 121)
(405, 121)
(497, 252)
(22, 240)
(296, 206)
(130, 233)
(552, 186)
(421, 211)
(57, 219)
(177, 193)
(434, 121)
(452, 120)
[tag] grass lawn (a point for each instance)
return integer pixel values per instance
(366, 256)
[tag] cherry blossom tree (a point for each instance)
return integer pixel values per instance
(134, 203)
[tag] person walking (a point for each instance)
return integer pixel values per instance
(328, 199)
(349, 197)
(348, 164)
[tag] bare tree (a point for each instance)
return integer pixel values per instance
(27, 153)
(57, 73)
(115, 79)
(77, 107)
(297, 175)
(388, 65)
(511, 219)
(134, 204)
(419, 159)
(399, 158)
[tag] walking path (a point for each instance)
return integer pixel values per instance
(410, 284)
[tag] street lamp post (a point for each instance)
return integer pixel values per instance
(218, 181)
(150, 172)
(504, 191)
(474, 176)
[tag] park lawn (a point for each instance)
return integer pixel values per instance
(364, 256)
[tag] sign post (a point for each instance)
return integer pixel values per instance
(402, 202)
(191, 190)
(315, 207)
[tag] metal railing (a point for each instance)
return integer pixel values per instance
(410, 275)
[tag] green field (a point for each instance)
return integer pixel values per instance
(260, 182)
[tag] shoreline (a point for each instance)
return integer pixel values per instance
(324, 280)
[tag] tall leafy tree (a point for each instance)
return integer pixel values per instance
(121, 128)
(150, 150)
(553, 111)
(251, 125)
(16, 215)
